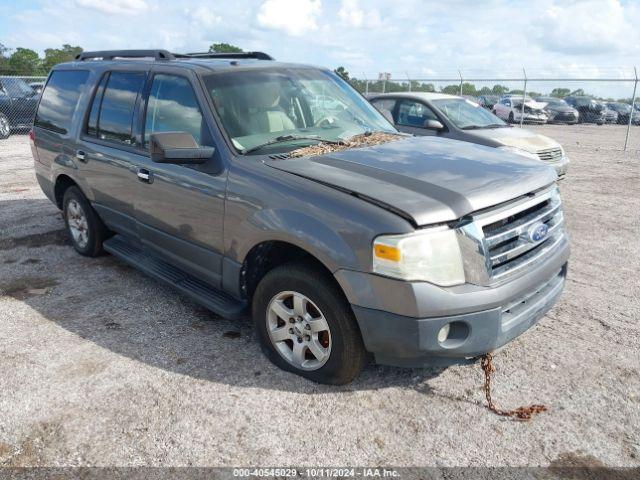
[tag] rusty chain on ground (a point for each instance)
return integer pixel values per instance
(521, 413)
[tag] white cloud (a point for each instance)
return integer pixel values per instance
(351, 14)
(583, 28)
(204, 17)
(295, 17)
(130, 7)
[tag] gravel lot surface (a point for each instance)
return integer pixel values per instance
(104, 366)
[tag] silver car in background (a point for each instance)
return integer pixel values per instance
(450, 116)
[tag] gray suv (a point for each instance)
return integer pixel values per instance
(236, 179)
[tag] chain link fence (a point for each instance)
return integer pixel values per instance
(599, 101)
(610, 101)
(18, 102)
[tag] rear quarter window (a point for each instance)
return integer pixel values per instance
(60, 99)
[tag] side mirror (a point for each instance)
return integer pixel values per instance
(433, 125)
(179, 148)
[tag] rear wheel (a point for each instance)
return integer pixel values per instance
(84, 226)
(5, 127)
(511, 118)
(306, 326)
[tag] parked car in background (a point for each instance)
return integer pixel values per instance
(37, 87)
(203, 171)
(457, 118)
(624, 111)
(18, 103)
(509, 108)
(588, 109)
(610, 115)
(558, 111)
(488, 101)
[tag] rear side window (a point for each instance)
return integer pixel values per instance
(385, 106)
(118, 104)
(92, 124)
(59, 100)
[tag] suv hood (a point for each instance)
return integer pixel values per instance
(517, 137)
(425, 179)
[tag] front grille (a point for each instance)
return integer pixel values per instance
(550, 155)
(510, 238)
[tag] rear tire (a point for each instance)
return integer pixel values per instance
(511, 118)
(306, 325)
(84, 226)
(5, 127)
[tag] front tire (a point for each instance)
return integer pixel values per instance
(84, 226)
(511, 118)
(306, 325)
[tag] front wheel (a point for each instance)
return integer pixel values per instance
(306, 326)
(5, 127)
(511, 118)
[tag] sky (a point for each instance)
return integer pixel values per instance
(408, 38)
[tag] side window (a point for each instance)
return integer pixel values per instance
(385, 106)
(92, 124)
(173, 107)
(414, 114)
(59, 99)
(118, 103)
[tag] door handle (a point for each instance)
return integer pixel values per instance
(80, 155)
(145, 175)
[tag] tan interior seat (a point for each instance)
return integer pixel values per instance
(265, 113)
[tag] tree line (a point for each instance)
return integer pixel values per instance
(27, 62)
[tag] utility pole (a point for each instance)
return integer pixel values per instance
(633, 107)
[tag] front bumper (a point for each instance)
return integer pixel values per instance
(400, 321)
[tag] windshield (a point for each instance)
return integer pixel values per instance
(466, 115)
(17, 87)
(620, 107)
(555, 102)
(281, 105)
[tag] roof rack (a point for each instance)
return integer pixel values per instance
(111, 54)
(231, 55)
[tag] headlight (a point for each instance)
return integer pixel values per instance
(519, 151)
(430, 255)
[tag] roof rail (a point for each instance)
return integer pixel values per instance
(111, 54)
(232, 55)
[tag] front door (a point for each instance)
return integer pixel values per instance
(180, 208)
(412, 117)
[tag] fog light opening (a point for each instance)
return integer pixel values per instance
(453, 335)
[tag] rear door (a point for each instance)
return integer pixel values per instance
(107, 152)
(56, 121)
(180, 209)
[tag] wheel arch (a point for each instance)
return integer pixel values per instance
(269, 254)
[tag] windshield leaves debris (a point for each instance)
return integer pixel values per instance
(361, 140)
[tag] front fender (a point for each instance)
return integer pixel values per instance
(303, 231)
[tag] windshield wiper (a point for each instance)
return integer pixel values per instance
(479, 127)
(288, 138)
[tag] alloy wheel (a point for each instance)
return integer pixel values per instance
(78, 224)
(298, 330)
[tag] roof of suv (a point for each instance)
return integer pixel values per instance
(193, 61)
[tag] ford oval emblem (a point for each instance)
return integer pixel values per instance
(537, 232)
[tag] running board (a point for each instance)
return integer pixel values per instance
(215, 300)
